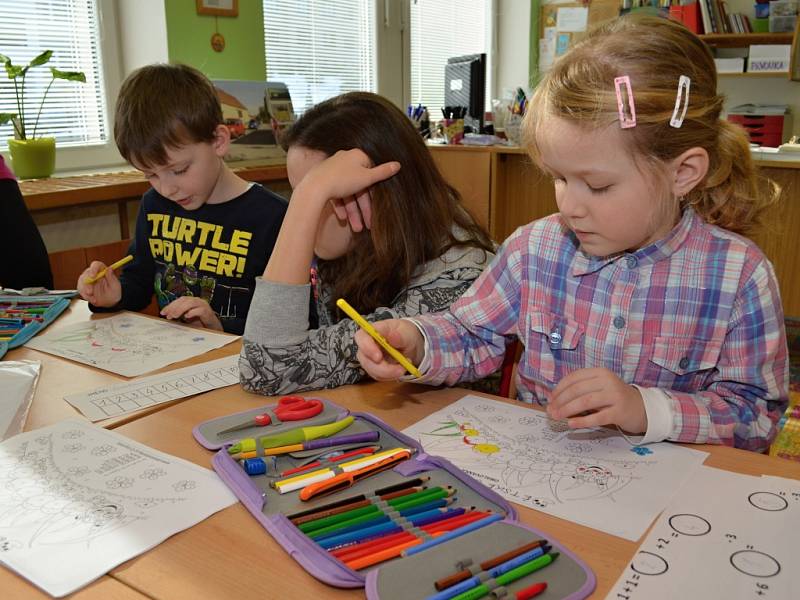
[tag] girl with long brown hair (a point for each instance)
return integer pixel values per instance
(387, 233)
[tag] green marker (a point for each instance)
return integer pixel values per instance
(510, 577)
(293, 436)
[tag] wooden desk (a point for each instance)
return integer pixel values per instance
(59, 377)
(230, 555)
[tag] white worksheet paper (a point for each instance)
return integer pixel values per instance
(77, 500)
(723, 535)
(125, 398)
(590, 476)
(128, 343)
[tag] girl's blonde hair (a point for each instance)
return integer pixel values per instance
(654, 52)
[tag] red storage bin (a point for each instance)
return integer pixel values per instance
(765, 130)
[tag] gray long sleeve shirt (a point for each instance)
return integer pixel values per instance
(281, 355)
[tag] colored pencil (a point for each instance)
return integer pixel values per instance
(382, 555)
(102, 273)
(352, 552)
(378, 492)
(453, 534)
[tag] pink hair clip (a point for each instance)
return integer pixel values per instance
(627, 111)
(684, 83)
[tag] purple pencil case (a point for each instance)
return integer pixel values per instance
(402, 577)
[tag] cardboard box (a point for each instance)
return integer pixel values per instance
(769, 58)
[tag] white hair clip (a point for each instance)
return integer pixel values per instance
(627, 111)
(684, 83)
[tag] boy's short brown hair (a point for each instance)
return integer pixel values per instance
(164, 106)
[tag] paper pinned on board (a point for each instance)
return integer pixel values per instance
(79, 500)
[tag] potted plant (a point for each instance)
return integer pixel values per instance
(31, 156)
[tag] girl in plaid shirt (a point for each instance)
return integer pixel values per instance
(640, 304)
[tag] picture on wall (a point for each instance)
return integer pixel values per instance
(255, 113)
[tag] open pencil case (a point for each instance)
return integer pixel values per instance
(325, 550)
(22, 317)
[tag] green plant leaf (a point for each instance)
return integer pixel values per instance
(14, 71)
(68, 75)
(41, 59)
(6, 117)
(4, 58)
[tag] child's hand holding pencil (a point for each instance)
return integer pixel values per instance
(99, 284)
(405, 341)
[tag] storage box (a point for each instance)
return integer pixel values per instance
(781, 24)
(760, 25)
(769, 58)
(765, 130)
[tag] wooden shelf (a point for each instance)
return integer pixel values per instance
(742, 40)
(781, 75)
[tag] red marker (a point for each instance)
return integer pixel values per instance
(531, 591)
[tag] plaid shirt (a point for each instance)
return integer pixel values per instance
(697, 315)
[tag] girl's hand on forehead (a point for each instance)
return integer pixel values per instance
(346, 178)
(597, 397)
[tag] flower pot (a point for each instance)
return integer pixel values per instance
(33, 158)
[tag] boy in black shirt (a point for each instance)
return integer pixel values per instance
(203, 234)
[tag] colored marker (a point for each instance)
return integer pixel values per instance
(393, 352)
(102, 273)
(482, 590)
(349, 478)
(340, 457)
(531, 591)
(450, 580)
(494, 572)
(292, 436)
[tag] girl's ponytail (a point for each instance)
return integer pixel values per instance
(733, 196)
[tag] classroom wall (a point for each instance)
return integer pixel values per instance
(189, 40)
(512, 47)
(137, 21)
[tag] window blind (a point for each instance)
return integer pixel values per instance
(442, 29)
(319, 48)
(74, 113)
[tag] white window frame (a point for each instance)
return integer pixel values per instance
(98, 155)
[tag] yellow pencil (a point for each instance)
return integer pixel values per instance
(394, 353)
(120, 263)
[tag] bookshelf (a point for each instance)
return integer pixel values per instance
(747, 75)
(742, 40)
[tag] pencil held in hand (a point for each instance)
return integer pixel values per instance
(393, 352)
(120, 263)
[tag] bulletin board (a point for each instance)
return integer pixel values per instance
(562, 23)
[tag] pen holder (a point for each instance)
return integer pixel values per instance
(453, 130)
(514, 128)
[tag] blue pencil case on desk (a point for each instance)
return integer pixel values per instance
(22, 317)
(444, 519)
